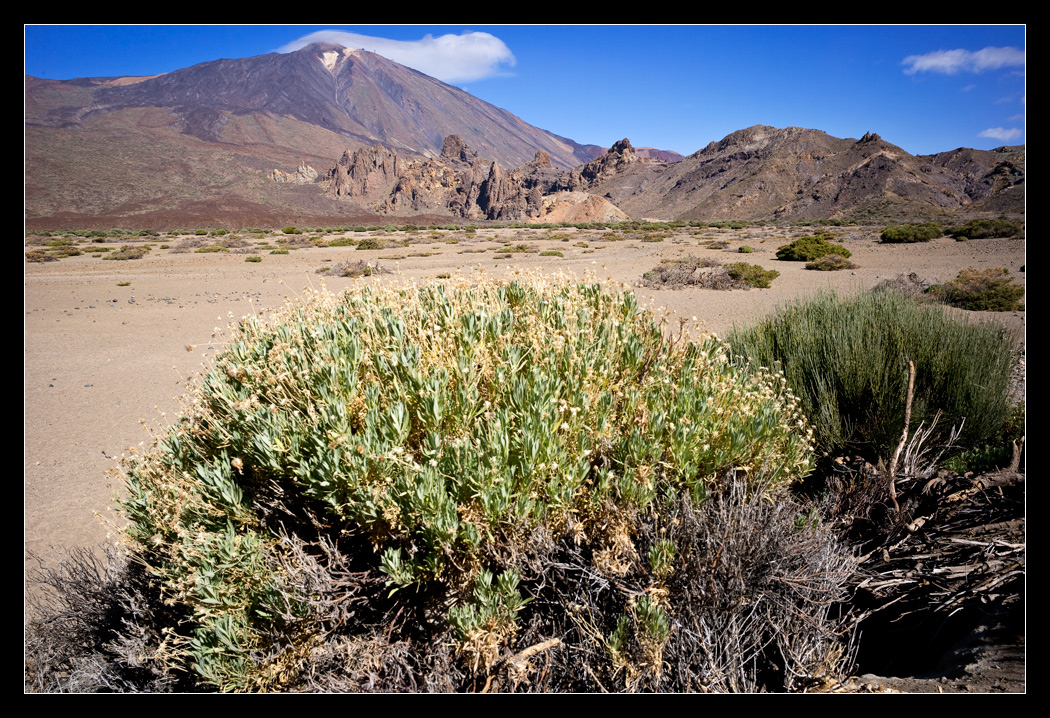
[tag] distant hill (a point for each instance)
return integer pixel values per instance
(795, 173)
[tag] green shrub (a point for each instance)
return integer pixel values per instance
(745, 249)
(451, 440)
(752, 274)
(982, 290)
(986, 228)
(551, 253)
(809, 248)
(291, 229)
(253, 258)
(847, 359)
(913, 232)
(372, 243)
(128, 252)
(831, 263)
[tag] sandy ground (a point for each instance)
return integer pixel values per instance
(104, 364)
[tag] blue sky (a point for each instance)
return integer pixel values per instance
(925, 88)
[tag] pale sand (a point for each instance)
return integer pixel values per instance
(104, 363)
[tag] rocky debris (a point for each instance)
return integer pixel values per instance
(305, 174)
(942, 582)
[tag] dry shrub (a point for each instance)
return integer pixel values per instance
(97, 623)
(831, 263)
(360, 268)
(985, 290)
(707, 274)
(751, 602)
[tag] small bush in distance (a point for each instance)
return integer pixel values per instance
(831, 263)
(912, 232)
(982, 290)
(752, 274)
(809, 248)
(847, 358)
(987, 228)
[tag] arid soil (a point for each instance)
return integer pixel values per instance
(110, 346)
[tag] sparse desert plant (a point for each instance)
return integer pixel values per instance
(982, 290)
(495, 459)
(39, 255)
(551, 253)
(809, 248)
(831, 263)
(128, 252)
(746, 249)
(752, 274)
(847, 358)
(912, 232)
(986, 228)
(253, 258)
(372, 243)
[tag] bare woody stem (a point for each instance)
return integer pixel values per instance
(904, 436)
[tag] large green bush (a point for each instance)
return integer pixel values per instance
(911, 232)
(454, 440)
(807, 249)
(847, 359)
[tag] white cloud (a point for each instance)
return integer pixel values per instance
(1002, 134)
(450, 58)
(950, 62)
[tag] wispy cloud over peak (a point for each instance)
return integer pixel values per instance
(450, 58)
(951, 62)
(1002, 134)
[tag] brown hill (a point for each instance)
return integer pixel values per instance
(794, 173)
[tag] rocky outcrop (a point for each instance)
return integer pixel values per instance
(462, 184)
(618, 160)
(365, 173)
(305, 174)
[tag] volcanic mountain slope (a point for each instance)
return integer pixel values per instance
(210, 134)
(794, 173)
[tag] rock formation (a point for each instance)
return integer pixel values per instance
(462, 184)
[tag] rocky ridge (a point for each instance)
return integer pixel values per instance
(463, 184)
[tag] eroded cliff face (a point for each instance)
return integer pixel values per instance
(459, 183)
